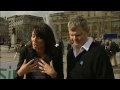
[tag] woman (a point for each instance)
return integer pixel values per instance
(40, 59)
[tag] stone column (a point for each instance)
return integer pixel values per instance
(13, 37)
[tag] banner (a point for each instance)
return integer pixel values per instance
(8, 69)
(112, 36)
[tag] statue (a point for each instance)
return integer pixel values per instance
(13, 37)
(13, 31)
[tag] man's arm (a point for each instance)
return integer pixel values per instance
(103, 67)
(68, 65)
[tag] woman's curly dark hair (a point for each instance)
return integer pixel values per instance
(44, 32)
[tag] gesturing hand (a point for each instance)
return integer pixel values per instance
(46, 68)
(26, 67)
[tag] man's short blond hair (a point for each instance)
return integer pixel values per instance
(78, 21)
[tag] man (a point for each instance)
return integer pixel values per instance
(86, 59)
(113, 48)
(9, 46)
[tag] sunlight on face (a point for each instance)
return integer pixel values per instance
(37, 43)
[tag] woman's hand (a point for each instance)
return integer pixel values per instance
(48, 69)
(26, 67)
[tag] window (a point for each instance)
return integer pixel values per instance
(105, 26)
(56, 27)
(88, 13)
(105, 13)
(64, 27)
(94, 27)
(89, 27)
(94, 13)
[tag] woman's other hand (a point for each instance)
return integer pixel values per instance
(26, 67)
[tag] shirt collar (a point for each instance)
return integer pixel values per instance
(86, 46)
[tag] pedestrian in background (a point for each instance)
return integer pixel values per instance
(18, 48)
(9, 46)
(113, 49)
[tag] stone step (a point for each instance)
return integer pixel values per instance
(116, 71)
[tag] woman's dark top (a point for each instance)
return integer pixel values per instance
(29, 53)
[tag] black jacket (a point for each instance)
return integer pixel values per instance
(29, 54)
(92, 64)
(114, 48)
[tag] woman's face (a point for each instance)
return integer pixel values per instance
(37, 43)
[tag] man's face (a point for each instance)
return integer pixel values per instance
(78, 36)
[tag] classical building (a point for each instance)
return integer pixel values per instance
(116, 22)
(99, 22)
(23, 25)
(3, 30)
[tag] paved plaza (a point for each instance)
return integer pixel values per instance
(7, 56)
